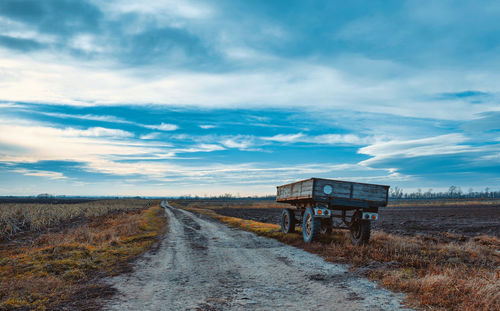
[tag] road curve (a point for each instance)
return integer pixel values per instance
(204, 265)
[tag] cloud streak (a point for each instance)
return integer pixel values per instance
(163, 127)
(439, 145)
(327, 139)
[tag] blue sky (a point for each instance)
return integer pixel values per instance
(207, 97)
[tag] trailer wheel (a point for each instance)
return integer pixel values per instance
(287, 221)
(326, 226)
(311, 226)
(360, 229)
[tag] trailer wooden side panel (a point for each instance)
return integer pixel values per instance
(328, 190)
(374, 193)
(298, 190)
(339, 189)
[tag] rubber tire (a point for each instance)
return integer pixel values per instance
(363, 236)
(291, 221)
(315, 226)
(326, 226)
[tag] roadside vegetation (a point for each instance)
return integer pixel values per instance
(459, 274)
(45, 268)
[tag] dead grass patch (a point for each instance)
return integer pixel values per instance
(460, 275)
(55, 269)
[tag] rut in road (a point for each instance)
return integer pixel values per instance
(204, 265)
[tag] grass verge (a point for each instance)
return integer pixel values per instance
(459, 275)
(61, 270)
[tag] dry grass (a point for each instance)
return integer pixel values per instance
(458, 275)
(15, 218)
(57, 270)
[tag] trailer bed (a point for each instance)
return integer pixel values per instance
(333, 192)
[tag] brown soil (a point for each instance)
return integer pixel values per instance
(429, 220)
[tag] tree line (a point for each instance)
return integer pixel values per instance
(225, 197)
(453, 192)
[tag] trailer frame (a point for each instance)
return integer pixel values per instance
(358, 204)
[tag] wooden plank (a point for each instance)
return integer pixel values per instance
(369, 192)
(297, 190)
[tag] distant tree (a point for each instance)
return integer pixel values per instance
(396, 193)
(44, 196)
(428, 194)
(452, 191)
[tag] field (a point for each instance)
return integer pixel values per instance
(16, 218)
(441, 221)
(444, 257)
(53, 257)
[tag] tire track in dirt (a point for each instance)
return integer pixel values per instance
(204, 265)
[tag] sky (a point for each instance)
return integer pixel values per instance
(166, 98)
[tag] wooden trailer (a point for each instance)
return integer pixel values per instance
(317, 201)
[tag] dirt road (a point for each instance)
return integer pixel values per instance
(205, 265)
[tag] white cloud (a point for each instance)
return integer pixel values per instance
(285, 138)
(11, 105)
(295, 84)
(438, 145)
(154, 135)
(162, 10)
(93, 146)
(202, 148)
(207, 126)
(338, 139)
(39, 173)
(163, 127)
(44, 143)
(329, 139)
(91, 117)
(102, 154)
(18, 30)
(98, 148)
(86, 43)
(239, 142)
(98, 132)
(102, 118)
